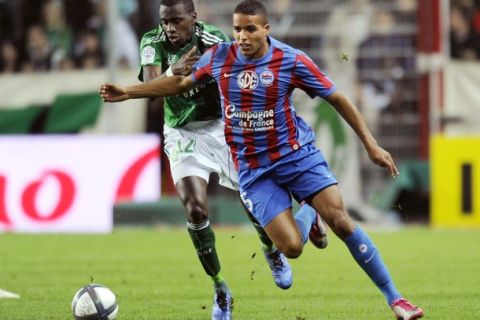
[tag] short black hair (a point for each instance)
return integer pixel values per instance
(187, 4)
(252, 8)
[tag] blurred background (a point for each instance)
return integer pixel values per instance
(69, 163)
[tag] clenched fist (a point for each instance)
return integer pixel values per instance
(113, 93)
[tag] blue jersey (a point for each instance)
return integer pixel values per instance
(261, 124)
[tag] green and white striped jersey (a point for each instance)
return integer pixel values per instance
(199, 104)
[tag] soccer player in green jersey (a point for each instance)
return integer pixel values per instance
(194, 139)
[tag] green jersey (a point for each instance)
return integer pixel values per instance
(199, 104)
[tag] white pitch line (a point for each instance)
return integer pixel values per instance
(8, 295)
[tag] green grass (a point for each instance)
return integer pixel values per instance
(156, 275)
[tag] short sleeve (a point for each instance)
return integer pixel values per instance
(308, 77)
(150, 53)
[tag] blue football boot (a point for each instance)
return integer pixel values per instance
(222, 305)
(281, 270)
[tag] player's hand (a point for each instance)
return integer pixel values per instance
(383, 158)
(113, 93)
(184, 65)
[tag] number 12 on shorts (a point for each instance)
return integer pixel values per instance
(183, 147)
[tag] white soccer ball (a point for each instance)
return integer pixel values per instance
(94, 301)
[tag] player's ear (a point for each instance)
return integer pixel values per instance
(194, 16)
(267, 28)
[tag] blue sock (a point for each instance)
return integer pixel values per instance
(368, 257)
(305, 217)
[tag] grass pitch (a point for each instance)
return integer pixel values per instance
(156, 275)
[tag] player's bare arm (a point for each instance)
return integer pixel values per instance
(161, 87)
(352, 115)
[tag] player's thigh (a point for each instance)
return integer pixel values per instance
(329, 204)
(284, 233)
(192, 191)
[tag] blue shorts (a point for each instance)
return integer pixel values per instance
(268, 191)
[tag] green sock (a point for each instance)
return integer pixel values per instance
(203, 239)
(267, 244)
(218, 279)
(219, 283)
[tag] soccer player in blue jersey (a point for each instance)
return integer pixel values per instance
(273, 148)
(194, 139)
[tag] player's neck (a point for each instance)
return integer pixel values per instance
(262, 52)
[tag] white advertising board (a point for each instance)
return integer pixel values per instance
(63, 183)
(462, 98)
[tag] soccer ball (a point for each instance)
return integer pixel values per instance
(94, 301)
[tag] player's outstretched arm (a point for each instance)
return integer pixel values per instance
(161, 87)
(352, 115)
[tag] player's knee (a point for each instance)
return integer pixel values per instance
(196, 212)
(293, 253)
(292, 250)
(341, 224)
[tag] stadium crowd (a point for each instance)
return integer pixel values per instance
(44, 35)
(465, 29)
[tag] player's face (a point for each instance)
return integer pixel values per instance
(251, 32)
(178, 24)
